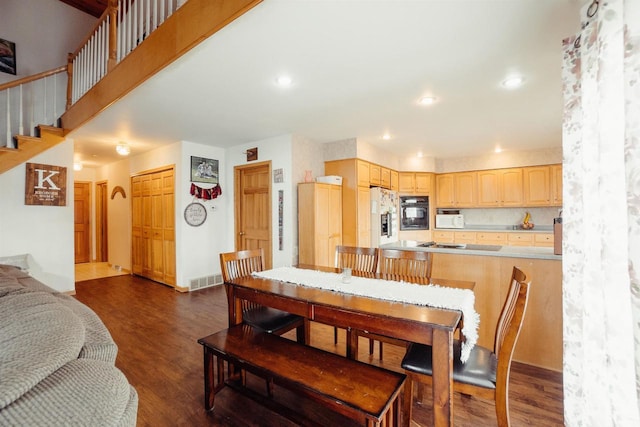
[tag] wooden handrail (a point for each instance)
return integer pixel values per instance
(102, 18)
(32, 78)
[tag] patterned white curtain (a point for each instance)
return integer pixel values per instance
(601, 240)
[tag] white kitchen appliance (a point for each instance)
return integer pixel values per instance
(384, 216)
(449, 221)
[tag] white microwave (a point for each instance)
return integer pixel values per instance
(449, 221)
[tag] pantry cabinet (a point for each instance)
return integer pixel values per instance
(319, 222)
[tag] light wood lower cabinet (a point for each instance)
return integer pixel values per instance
(153, 244)
(540, 341)
(494, 238)
(490, 238)
(319, 223)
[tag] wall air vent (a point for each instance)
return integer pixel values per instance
(205, 282)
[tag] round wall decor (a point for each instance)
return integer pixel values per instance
(195, 214)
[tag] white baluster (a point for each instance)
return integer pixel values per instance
(44, 104)
(148, 18)
(55, 101)
(161, 11)
(155, 14)
(9, 142)
(20, 114)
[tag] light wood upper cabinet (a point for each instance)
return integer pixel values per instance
(537, 186)
(394, 180)
(375, 173)
(556, 185)
(385, 177)
(423, 183)
(406, 182)
(500, 187)
(456, 190)
(363, 173)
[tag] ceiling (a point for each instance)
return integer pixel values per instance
(92, 7)
(358, 69)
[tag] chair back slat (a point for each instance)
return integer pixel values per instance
(242, 264)
(409, 266)
(512, 314)
(358, 259)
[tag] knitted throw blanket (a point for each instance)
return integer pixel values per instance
(429, 295)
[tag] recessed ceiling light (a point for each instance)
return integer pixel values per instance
(513, 82)
(77, 166)
(420, 154)
(284, 81)
(427, 100)
(386, 137)
(498, 150)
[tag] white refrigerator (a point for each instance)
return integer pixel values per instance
(384, 216)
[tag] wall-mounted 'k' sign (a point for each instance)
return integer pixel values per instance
(45, 185)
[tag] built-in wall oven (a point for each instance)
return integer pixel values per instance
(414, 212)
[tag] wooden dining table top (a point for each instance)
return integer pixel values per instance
(324, 306)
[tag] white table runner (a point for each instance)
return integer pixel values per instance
(431, 295)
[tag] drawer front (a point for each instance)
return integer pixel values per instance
(464, 237)
(543, 240)
(443, 236)
(520, 239)
(496, 238)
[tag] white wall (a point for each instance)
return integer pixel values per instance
(278, 150)
(43, 232)
(198, 248)
(60, 29)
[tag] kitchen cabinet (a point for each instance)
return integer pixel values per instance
(520, 239)
(356, 206)
(394, 184)
(500, 187)
(319, 222)
(556, 185)
(537, 186)
(443, 236)
(543, 239)
(423, 183)
(491, 238)
(363, 171)
(406, 182)
(456, 190)
(385, 178)
(464, 237)
(375, 175)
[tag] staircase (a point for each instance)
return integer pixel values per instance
(140, 37)
(29, 146)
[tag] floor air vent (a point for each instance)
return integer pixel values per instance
(206, 281)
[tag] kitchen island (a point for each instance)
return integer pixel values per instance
(490, 266)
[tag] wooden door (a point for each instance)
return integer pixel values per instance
(253, 208)
(82, 216)
(102, 241)
(153, 226)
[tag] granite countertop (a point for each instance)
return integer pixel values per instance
(531, 252)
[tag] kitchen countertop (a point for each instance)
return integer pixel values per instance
(547, 229)
(482, 250)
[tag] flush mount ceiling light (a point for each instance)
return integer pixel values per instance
(77, 166)
(386, 137)
(284, 81)
(123, 148)
(420, 154)
(513, 82)
(427, 100)
(498, 150)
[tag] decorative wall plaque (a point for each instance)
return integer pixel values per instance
(46, 185)
(195, 214)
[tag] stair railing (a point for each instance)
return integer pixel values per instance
(31, 101)
(120, 29)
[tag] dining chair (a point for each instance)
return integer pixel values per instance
(486, 373)
(360, 260)
(400, 265)
(243, 263)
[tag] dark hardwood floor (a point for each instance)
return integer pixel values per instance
(157, 328)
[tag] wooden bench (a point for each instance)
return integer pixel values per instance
(365, 393)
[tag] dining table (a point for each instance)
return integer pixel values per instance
(409, 322)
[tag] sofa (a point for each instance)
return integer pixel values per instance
(57, 360)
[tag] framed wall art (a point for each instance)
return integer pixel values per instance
(7, 57)
(204, 170)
